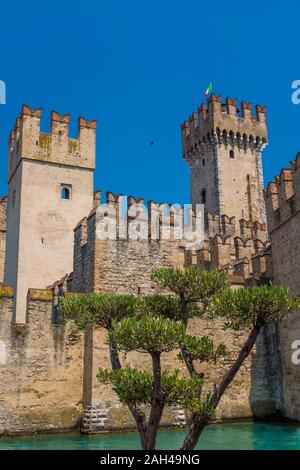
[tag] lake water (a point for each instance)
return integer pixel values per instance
(248, 436)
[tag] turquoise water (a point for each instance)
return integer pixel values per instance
(246, 436)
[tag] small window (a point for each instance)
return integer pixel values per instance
(66, 192)
(203, 162)
(14, 197)
(203, 196)
(231, 154)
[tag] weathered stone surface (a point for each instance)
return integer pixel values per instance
(40, 221)
(41, 372)
(283, 210)
(2, 236)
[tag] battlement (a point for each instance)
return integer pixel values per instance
(222, 124)
(224, 242)
(27, 141)
(225, 225)
(160, 215)
(283, 195)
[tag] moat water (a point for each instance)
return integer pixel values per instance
(243, 436)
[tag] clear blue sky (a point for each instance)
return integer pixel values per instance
(140, 67)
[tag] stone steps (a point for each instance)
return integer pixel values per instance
(94, 419)
(179, 416)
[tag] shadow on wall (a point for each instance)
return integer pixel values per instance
(266, 384)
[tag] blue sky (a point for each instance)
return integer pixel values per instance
(140, 68)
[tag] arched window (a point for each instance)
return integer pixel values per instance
(65, 192)
(231, 153)
(203, 196)
(203, 162)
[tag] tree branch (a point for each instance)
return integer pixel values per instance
(243, 354)
(197, 424)
(190, 364)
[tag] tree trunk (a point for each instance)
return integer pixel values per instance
(140, 421)
(114, 355)
(157, 405)
(194, 431)
(138, 415)
(243, 354)
(185, 355)
(197, 425)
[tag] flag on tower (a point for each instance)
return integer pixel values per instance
(209, 90)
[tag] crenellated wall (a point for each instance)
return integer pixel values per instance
(27, 141)
(124, 264)
(283, 211)
(120, 265)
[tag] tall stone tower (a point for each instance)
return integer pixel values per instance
(223, 149)
(50, 189)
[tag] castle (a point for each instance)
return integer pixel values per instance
(49, 245)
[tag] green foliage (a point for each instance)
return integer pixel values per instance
(203, 349)
(97, 309)
(191, 284)
(202, 408)
(147, 334)
(135, 387)
(168, 307)
(132, 387)
(251, 306)
(161, 305)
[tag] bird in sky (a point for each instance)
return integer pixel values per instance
(151, 143)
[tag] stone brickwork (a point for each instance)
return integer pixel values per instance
(124, 265)
(283, 210)
(42, 167)
(41, 369)
(48, 374)
(3, 201)
(118, 265)
(223, 149)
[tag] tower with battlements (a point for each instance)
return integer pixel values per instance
(50, 188)
(223, 149)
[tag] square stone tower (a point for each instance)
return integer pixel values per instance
(50, 188)
(223, 149)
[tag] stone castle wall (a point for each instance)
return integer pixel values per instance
(2, 236)
(41, 369)
(124, 265)
(53, 370)
(48, 374)
(283, 210)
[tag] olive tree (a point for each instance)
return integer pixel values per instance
(157, 324)
(245, 309)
